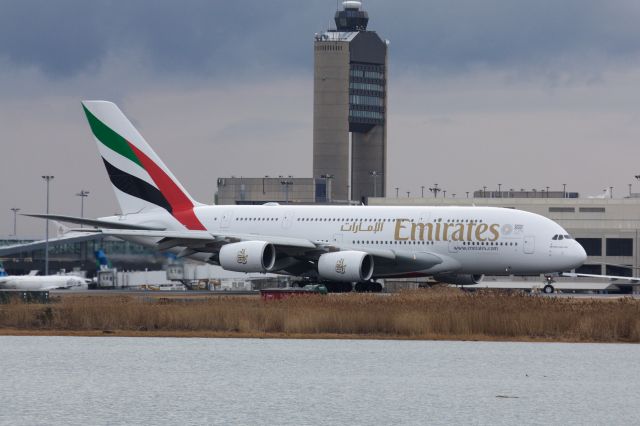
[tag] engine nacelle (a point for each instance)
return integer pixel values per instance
(248, 256)
(459, 279)
(346, 266)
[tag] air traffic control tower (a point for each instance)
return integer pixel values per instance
(350, 106)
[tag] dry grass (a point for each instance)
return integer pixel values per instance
(425, 314)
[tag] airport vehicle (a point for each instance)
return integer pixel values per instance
(336, 245)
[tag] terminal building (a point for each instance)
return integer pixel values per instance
(350, 106)
(80, 256)
(282, 190)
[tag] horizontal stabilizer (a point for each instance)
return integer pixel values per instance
(95, 222)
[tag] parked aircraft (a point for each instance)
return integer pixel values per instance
(41, 282)
(339, 245)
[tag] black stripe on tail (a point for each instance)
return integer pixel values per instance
(136, 187)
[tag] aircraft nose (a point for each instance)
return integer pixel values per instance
(578, 255)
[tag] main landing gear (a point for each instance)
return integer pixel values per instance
(338, 287)
(368, 287)
(359, 287)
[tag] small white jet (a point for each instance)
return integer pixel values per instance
(41, 282)
(337, 245)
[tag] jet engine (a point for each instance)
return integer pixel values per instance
(459, 279)
(346, 266)
(248, 256)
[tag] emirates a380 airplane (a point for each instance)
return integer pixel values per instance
(338, 245)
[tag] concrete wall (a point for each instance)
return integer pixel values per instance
(368, 154)
(269, 189)
(331, 115)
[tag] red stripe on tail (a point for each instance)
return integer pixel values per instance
(181, 205)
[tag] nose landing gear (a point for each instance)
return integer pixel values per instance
(548, 285)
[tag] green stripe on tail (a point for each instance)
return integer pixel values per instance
(110, 139)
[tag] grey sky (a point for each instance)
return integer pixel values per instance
(527, 94)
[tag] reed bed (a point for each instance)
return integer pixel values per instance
(425, 314)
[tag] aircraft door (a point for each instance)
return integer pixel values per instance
(225, 219)
(529, 245)
(425, 216)
(287, 219)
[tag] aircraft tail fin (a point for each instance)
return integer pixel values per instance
(102, 260)
(140, 179)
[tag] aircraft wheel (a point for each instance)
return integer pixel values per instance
(548, 289)
(361, 287)
(375, 287)
(334, 287)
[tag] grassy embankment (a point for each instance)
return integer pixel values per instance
(428, 314)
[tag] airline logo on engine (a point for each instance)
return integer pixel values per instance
(341, 267)
(243, 257)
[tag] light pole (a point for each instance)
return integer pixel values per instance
(82, 194)
(547, 192)
(611, 192)
(499, 190)
(47, 178)
(286, 184)
(422, 191)
(15, 211)
(408, 194)
(444, 194)
(467, 192)
(375, 175)
(564, 190)
(397, 191)
(484, 192)
(435, 190)
(629, 190)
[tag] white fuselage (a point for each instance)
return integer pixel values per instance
(470, 240)
(43, 282)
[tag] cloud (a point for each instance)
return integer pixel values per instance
(207, 39)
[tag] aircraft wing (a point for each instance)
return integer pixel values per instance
(169, 239)
(632, 280)
(74, 237)
(208, 242)
(190, 242)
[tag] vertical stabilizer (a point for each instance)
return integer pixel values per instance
(140, 179)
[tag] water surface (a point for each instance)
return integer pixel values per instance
(111, 380)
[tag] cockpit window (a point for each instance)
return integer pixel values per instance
(562, 237)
